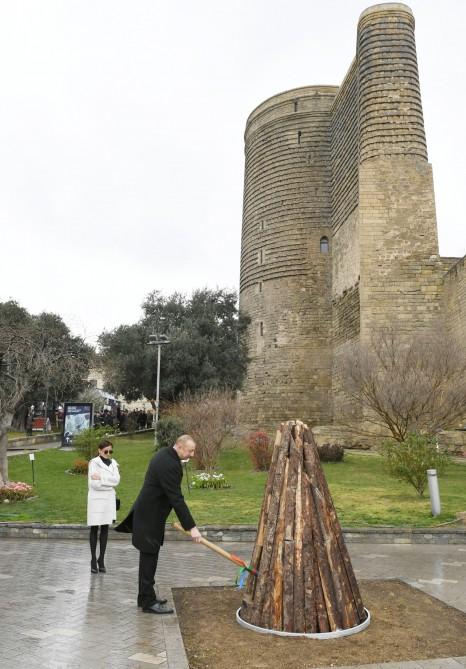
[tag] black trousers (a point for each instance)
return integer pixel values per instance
(147, 567)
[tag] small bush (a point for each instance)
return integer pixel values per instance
(209, 480)
(208, 416)
(410, 459)
(168, 430)
(80, 467)
(16, 491)
(87, 441)
(331, 452)
(260, 450)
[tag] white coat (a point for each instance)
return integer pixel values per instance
(101, 498)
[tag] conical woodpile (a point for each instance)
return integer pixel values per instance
(305, 581)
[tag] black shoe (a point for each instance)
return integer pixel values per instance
(158, 601)
(157, 607)
(94, 569)
(102, 568)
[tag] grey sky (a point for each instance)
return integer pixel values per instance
(121, 137)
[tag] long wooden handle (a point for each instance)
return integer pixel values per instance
(213, 547)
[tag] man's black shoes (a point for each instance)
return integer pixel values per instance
(159, 601)
(158, 607)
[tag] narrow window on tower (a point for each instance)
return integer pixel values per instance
(324, 245)
(260, 286)
(296, 105)
(299, 136)
(261, 328)
(260, 257)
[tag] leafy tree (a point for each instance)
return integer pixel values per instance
(409, 460)
(87, 441)
(169, 428)
(37, 354)
(206, 348)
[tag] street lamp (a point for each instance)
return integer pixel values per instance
(157, 340)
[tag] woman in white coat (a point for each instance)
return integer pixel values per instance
(103, 477)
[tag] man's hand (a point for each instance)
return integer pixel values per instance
(196, 535)
(95, 477)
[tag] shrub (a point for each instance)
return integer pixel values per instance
(209, 480)
(260, 450)
(331, 452)
(410, 459)
(87, 441)
(16, 491)
(168, 430)
(208, 416)
(80, 466)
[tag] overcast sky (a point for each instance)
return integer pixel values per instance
(121, 137)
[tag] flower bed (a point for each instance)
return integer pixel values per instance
(15, 491)
(209, 480)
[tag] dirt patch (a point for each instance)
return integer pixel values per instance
(406, 624)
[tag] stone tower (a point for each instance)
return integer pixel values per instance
(339, 228)
(285, 279)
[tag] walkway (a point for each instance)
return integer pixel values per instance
(56, 615)
(33, 448)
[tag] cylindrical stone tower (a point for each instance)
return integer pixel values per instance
(397, 221)
(286, 258)
(390, 114)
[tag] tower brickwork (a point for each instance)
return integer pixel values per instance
(349, 165)
(285, 280)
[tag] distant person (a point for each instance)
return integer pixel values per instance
(29, 421)
(160, 493)
(142, 420)
(123, 421)
(103, 477)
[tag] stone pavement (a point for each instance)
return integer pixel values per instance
(56, 615)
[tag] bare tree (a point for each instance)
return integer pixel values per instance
(36, 352)
(406, 384)
(209, 416)
(17, 371)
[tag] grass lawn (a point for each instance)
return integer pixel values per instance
(363, 493)
(14, 434)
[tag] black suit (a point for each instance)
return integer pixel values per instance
(160, 493)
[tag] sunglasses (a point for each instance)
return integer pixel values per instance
(107, 452)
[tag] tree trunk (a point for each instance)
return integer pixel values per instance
(4, 425)
(46, 413)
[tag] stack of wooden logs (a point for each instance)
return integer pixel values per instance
(305, 581)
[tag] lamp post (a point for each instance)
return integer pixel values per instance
(157, 340)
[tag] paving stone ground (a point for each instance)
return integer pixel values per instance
(56, 615)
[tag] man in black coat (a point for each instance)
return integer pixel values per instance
(160, 493)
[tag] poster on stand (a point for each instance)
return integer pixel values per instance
(77, 416)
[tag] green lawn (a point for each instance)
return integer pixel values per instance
(14, 434)
(363, 494)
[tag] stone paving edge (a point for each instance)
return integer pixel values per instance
(245, 533)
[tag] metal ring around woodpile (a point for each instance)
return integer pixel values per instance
(337, 634)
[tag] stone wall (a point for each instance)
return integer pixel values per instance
(454, 301)
(345, 148)
(399, 285)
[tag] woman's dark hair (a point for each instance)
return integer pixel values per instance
(105, 443)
